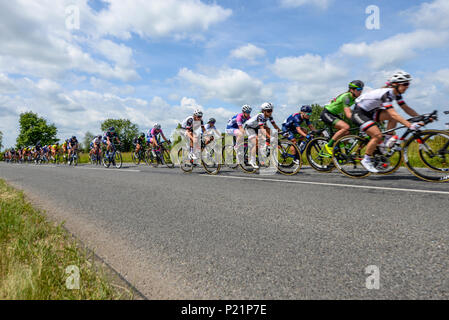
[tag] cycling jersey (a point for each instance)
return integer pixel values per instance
(210, 127)
(189, 122)
(72, 142)
(109, 135)
(378, 99)
(236, 121)
(138, 140)
(258, 121)
(153, 133)
(294, 121)
(337, 105)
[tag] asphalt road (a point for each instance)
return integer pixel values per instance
(239, 236)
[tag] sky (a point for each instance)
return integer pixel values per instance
(79, 62)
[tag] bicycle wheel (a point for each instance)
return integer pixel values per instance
(230, 156)
(388, 161)
(135, 157)
(348, 153)
(106, 161)
(318, 159)
(426, 155)
(209, 161)
(244, 162)
(167, 159)
(184, 162)
(118, 159)
(287, 153)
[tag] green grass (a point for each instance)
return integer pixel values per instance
(84, 157)
(34, 255)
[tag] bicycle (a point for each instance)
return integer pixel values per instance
(160, 155)
(349, 151)
(96, 157)
(113, 157)
(73, 158)
(139, 156)
(208, 159)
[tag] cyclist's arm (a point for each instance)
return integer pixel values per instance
(409, 110)
(300, 131)
(311, 127)
(348, 112)
(398, 118)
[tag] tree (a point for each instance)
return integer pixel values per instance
(126, 131)
(33, 129)
(88, 137)
(1, 140)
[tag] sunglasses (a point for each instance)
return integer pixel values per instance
(308, 114)
(405, 84)
(269, 111)
(359, 89)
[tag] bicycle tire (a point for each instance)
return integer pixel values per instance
(284, 163)
(185, 164)
(344, 153)
(316, 159)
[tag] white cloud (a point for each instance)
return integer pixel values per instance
(230, 85)
(441, 76)
(249, 52)
(324, 4)
(431, 14)
(307, 68)
(396, 49)
(158, 18)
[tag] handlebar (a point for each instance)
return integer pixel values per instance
(426, 118)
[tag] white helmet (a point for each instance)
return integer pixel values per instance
(266, 106)
(247, 109)
(198, 113)
(157, 126)
(400, 77)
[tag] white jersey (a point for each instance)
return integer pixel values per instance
(96, 140)
(190, 124)
(257, 121)
(378, 99)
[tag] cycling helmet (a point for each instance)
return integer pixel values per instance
(111, 129)
(266, 106)
(306, 109)
(157, 126)
(99, 137)
(247, 109)
(356, 84)
(142, 134)
(400, 77)
(73, 138)
(212, 120)
(198, 113)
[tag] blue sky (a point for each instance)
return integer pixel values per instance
(156, 61)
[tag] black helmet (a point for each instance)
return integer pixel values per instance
(306, 109)
(73, 138)
(356, 84)
(99, 137)
(212, 120)
(142, 134)
(111, 129)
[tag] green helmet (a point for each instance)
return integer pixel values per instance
(356, 84)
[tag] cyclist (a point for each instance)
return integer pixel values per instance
(54, 149)
(72, 145)
(139, 142)
(211, 131)
(376, 106)
(189, 126)
(110, 136)
(235, 125)
(291, 127)
(152, 136)
(256, 123)
(95, 145)
(332, 113)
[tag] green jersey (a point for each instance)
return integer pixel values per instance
(337, 105)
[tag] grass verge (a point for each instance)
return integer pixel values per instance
(35, 253)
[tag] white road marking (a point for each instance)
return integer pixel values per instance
(333, 184)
